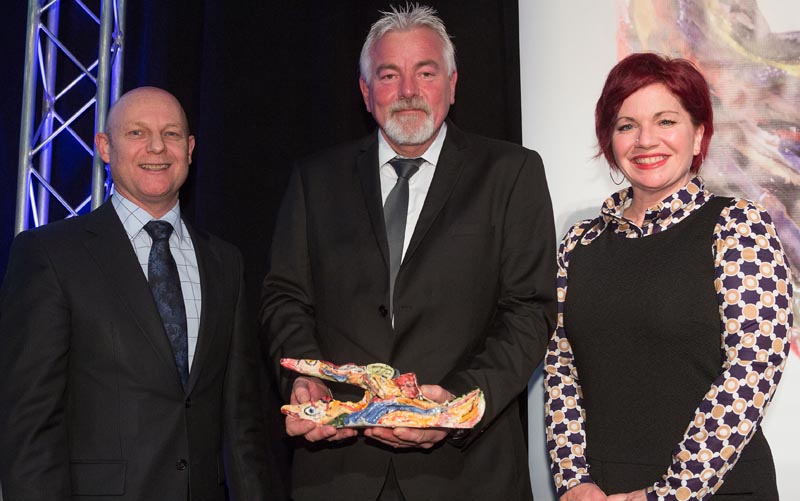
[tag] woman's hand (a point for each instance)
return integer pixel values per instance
(631, 496)
(584, 492)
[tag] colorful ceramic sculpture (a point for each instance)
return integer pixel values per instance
(390, 399)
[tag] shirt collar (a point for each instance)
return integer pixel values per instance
(431, 155)
(671, 210)
(134, 217)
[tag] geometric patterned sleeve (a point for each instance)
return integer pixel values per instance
(753, 285)
(564, 416)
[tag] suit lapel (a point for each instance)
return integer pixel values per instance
(209, 267)
(369, 174)
(448, 170)
(111, 249)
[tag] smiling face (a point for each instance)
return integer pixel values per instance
(654, 141)
(148, 147)
(409, 92)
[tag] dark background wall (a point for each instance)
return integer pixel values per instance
(265, 82)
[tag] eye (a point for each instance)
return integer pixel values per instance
(388, 76)
(310, 411)
(666, 122)
(134, 133)
(173, 135)
(624, 127)
(428, 74)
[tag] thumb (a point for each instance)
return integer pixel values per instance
(436, 393)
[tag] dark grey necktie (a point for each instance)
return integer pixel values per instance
(162, 274)
(395, 211)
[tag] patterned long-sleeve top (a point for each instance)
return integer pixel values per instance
(753, 285)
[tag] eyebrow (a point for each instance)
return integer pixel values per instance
(656, 115)
(427, 62)
(386, 66)
(145, 125)
(390, 66)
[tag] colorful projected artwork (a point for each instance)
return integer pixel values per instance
(754, 75)
(390, 399)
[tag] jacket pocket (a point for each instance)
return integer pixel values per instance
(98, 478)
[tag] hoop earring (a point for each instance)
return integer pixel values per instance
(702, 159)
(611, 175)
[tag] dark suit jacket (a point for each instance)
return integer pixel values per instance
(475, 306)
(91, 404)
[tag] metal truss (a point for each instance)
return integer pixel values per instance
(73, 83)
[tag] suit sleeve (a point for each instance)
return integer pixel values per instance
(34, 349)
(526, 307)
(287, 301)
(244, 432)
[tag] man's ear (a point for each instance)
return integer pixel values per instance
(191, 147)
(453, 80)
(364, 92)
(103, 143)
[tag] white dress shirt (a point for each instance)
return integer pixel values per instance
(133, 219)
(419, 183)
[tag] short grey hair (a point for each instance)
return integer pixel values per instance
(407, 18)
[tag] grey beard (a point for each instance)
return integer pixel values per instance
(414, 132)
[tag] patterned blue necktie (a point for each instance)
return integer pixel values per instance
(162, 274)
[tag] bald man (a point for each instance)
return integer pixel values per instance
(102, 396)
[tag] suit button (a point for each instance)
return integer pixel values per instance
(180, 465)
(383, 310)
(188, 403)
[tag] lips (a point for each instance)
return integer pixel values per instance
(154, 167)
(650, 161)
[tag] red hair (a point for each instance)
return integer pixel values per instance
(639, 70)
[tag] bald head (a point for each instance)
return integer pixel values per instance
(138, 96)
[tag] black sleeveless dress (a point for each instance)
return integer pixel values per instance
(642, 317)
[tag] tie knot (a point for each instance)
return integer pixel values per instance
(158, 230)
(406, 167)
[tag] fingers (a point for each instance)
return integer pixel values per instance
(420, 437)
(398, 438)
(639, 495)
(329, 433)
(314, 432)
(296, 426)
(585, 492)
(309, 389)
(401, 438)
(306, 389)
(436, 393)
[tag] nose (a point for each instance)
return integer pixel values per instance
(647, 137)
(155, 143)
(408, 86)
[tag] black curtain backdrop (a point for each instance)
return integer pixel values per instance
(265, 83)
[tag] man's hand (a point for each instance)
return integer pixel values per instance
(631, 496)
(425, 438)
(307, 389)
(584, 492)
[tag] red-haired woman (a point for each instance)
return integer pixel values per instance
(674, 307)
